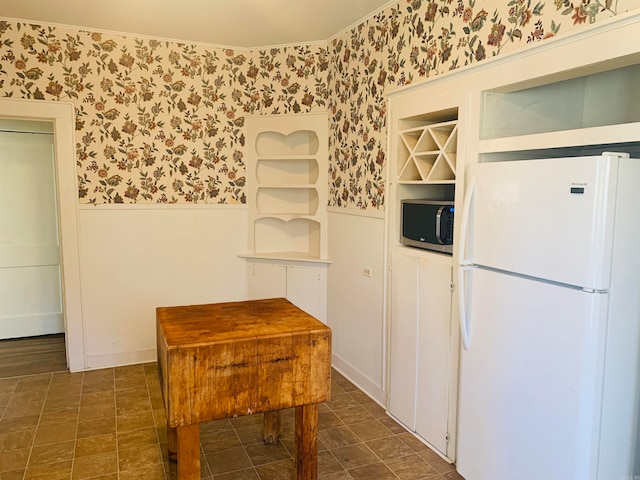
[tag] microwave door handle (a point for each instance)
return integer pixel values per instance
(438, 222)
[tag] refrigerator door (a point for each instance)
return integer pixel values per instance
(550, 219)
(528, 380)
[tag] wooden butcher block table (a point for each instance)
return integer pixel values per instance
(229, 359)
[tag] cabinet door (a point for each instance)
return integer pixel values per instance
(305, 290)
(433, 357)
(404, 313)
(267, 281)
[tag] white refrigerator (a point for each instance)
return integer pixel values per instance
(549, 291)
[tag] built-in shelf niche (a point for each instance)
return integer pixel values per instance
(287, 186)
(300, 142)
(601, 108)
(287, 200)
(427, 148)
(292, 171)
(298, 236)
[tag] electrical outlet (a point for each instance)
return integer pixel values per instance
(366, 271)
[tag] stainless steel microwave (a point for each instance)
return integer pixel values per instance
(427, 224)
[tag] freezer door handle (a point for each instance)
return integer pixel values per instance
(466, 220)
(465, 330)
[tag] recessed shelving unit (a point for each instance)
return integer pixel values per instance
(297, 235)
(561, 118)
(287, 186)
(425, 162)
(424, 135)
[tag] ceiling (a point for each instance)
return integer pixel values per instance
(237, 23)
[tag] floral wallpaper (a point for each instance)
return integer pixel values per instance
(163, 122)
(417, 39)
(156, 121)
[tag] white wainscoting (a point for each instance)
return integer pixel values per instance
(356, 302)
(136, 258)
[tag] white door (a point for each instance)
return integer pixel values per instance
(403, 339)
(30, 287)
(433, 353)
(550, 219)
(528, 380)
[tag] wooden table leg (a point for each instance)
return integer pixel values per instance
(189, 452)
(307, 442)
(271, 428)
(172, 444)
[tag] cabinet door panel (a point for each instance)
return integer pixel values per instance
(267, 281)
(304, 290)
(434, 317)
(404, 310)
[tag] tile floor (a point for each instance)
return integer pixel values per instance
(110, 425)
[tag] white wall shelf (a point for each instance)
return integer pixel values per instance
(287, 186)
(288, 171)
(287, 190)
(285, 256)
(272, 139)
(579, 137)
(287, 200)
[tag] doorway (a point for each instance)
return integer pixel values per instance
(30, 273)
(61, 116)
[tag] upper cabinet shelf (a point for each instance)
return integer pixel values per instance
(597, 109)
(427, 151)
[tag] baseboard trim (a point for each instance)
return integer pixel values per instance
(362, 382)
(109, 360)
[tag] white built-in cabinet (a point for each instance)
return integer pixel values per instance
(303, 285)
(286, 160)
(425, 134)
(420, 331)
(551, 102)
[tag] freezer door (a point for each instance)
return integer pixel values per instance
(551, 219)
(528, 382)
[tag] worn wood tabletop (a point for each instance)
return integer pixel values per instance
(239, 358)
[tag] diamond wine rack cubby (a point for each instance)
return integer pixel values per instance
(427, 153)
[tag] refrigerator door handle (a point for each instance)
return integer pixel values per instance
(464, 265)
(466, 219)
(465, 333)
